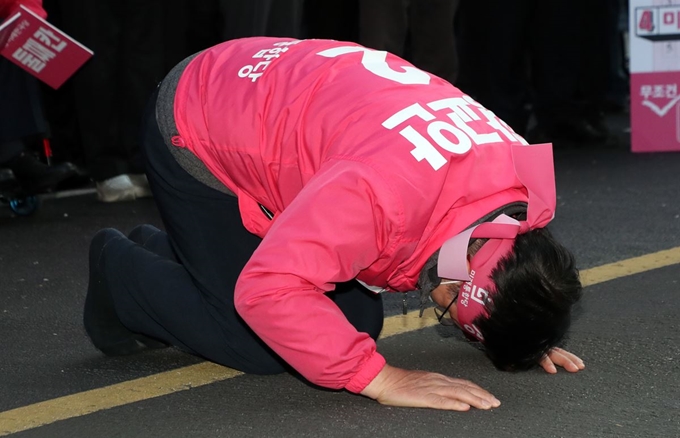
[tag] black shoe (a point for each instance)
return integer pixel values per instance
(37, 177)
(7, 180)
(106, 331)
(81, 179)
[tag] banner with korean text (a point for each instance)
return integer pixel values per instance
(40, 48)
(655, 75)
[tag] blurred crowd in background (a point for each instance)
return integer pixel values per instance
(551, 69)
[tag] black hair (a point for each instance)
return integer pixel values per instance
(536, 286)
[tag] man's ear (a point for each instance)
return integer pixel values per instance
(440, 296)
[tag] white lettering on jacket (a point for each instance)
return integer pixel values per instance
(461, 136)
(253, 72)
(375, 61)
(454, 135)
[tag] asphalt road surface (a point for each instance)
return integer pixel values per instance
(612, 206)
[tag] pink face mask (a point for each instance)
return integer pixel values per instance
(534, 169)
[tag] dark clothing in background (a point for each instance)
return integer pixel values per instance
(22, 122)
(189, 28)
(555, 60)
(618, 84)
(111, 89)
(21, 113)
(515, 53)
(193, 26)
(603, 80)
(427, 26)
(331, 19)
(383, 25)
(136, 43)
(246, 18)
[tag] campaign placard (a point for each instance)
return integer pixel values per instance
(655, 75)
(40, 48)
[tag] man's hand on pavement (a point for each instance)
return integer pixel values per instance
(420, 389)
(563, 358)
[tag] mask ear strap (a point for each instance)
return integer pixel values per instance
(535, 169)
(452, 262)
(503, 227)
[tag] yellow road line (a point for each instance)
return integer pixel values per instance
(83, 403)
(398, 324)
(631, 266)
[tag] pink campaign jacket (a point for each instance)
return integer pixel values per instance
(9, 7)
(368, 164)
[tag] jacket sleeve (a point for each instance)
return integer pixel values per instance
(8, 7)
(335, 227)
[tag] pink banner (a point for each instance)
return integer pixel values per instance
(655, 111)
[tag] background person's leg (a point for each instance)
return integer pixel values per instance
(383, 25)
(433, 47)
(285, 19)
(244, 18)
(21, 120)
(98, 25)
(140, 68)
(493, 48)
(559, 30)
(111, 88)
(331, 19)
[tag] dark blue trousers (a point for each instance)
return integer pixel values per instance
(177, 285)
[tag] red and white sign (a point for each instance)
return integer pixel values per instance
(40, 48)
(658, 23)
(655, 75)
